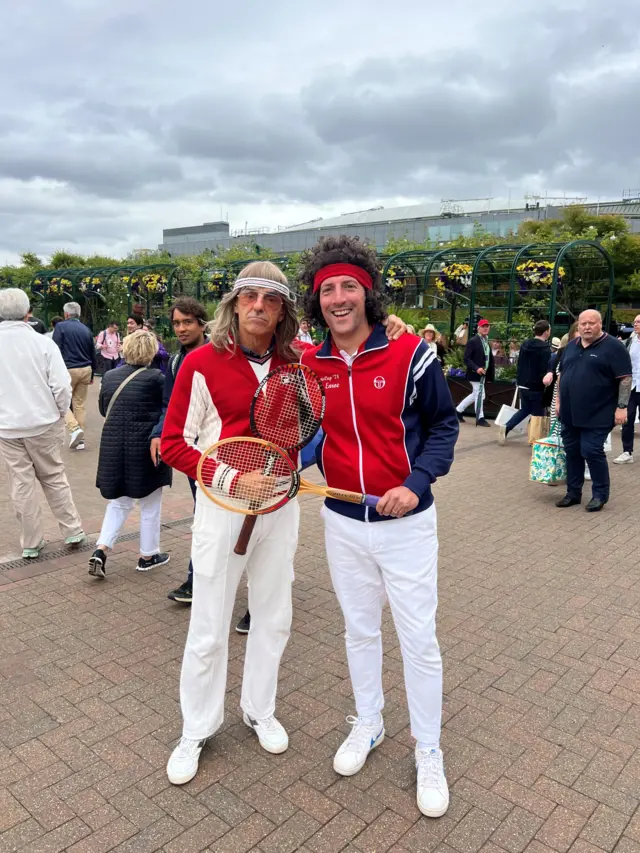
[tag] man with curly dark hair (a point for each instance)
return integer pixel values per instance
(390, 428)
(342, 249)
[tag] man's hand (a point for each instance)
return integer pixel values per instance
(396, 327)
(481, 371)
(621, 417)
(397, 502)
(547, 379)
(254, 487)
(155, 450)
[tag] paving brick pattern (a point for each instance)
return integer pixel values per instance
(539, 623)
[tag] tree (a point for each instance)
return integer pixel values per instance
(65, 260)
(29, 259)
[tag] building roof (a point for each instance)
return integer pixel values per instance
(433, 210)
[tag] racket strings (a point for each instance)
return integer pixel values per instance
(290, 407)
(247, 475)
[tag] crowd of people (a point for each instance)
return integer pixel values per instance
(390, 429)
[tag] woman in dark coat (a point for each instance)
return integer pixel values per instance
(132, 406)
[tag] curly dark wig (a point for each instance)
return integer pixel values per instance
(341, 250)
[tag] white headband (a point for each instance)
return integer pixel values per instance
(266, 284)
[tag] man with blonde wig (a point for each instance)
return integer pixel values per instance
(35, 393)
(251, 334)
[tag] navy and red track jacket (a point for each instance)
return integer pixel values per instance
(210, 401)
(390, 420)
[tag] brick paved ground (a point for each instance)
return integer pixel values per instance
(539, 623)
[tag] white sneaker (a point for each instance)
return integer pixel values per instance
(432, 788)
(354, 751)
(77, 437)
(183, 764)
(587, 473)
(80, 446)
(624, 459)
(502, 435)
(271, 734)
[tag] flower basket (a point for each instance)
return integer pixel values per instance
(51, 287)
(454, 277)
(214, 284)
(537, 275)
(394, 286)
(91, 283)
(150, 285)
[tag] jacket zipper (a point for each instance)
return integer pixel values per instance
(355, 428)
(353, 415)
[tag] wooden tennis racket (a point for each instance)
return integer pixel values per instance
(254, 477)
(287, 410)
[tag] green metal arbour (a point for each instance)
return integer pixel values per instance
(443, 258)
(42, 278)
(587, 265)
(413, 261)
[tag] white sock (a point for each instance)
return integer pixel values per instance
(376, 720)
(427, 747)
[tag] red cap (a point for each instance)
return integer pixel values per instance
(484, 323)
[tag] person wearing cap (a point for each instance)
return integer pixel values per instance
(532, 367)
(480, 365)
(389, 430)
(251, 334)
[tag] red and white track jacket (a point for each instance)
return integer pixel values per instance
(210, 401)
(389, 420)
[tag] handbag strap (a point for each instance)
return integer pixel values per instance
(515, 398)
(555, 422)
(120, 389)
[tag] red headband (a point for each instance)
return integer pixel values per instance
(360, 275)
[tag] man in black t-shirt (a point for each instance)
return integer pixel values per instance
(595, 384)
(36, 324)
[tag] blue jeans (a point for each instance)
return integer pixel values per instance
(192, 483)
(582, 445)
(530, 404)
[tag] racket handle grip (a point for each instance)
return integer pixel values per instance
(371, 500)
(245, 535)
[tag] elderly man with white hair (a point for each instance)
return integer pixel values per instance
(34, 398)
(79, 353)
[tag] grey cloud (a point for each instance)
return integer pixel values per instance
(136, 112)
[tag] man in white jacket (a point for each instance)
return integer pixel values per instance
(35, 393)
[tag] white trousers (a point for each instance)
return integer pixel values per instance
(216, 574)
(471, 398)
(398, 557)
(150, 515)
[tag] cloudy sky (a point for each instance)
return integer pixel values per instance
(121, 118)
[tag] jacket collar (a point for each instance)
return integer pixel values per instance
(376, 340)
(13, 324)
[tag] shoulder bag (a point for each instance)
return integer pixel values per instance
(121, 388)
